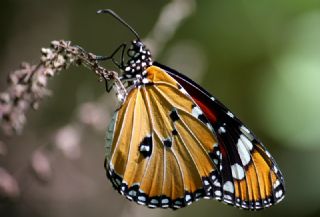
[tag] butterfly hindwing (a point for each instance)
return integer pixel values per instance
(250, 177)
(159, 152)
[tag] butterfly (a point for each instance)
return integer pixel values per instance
(171, 143)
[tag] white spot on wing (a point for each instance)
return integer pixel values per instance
(217, 183)
(243, 128)
(184, 91)
(205, 182)
(279, 194)
(246, 132)
(178, 202)
(228, 186)
(221, 130)
(230, 114)
(188, 197)
(243, 152)
(155, 201)
(144, 148)
(217, 193)
(142, 198)
(165, 200)
(237, 171)
(196, 111)
(276, 184)
(133, 193)
(246, 142)
(228, 198)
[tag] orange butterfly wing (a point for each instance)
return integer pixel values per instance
(158, 151)
(250, 176)
(166, 148)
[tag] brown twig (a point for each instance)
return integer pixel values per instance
(27, 86)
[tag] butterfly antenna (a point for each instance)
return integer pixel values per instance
(112, 13)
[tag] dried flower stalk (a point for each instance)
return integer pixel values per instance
(27, 86)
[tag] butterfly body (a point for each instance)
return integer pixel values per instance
(171, 143)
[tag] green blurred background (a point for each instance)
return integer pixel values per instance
(261, 58)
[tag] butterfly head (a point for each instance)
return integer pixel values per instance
(139, 59)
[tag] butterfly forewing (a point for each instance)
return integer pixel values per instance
(159, 150)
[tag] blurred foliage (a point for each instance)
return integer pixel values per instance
(261, 58)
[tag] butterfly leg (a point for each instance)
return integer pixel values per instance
(122, 47)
